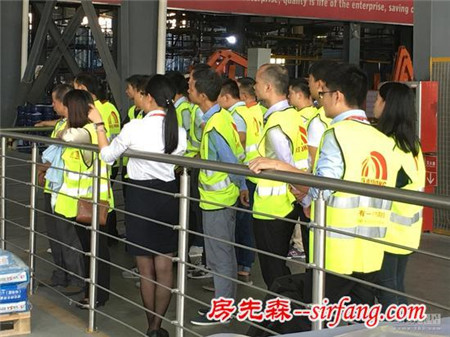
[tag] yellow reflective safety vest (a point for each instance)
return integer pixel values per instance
(308, 113)
(60, 125)
(254, 125)
(372, 161)
(320, 114)
(133, 115)
(405, 227)
(217, 186)
(78, 181)
(193, 143)
(258, 107)
(185, 105)
(274, 197)
(111, 118)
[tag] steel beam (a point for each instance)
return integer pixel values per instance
(107, 59)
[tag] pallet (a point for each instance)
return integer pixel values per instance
(15, 324)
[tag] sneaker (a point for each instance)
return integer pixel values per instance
(203, 311)
(245, 278)
(204, 321)
(72, 290)
(295, 253)
(49, 250)
(197, 274)
(138, 284)
(195, 254)
(209, 287)
(129, 273)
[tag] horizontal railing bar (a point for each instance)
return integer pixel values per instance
(412, 197)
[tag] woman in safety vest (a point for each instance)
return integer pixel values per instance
(150, 215)
(77, 183)
(396, 114)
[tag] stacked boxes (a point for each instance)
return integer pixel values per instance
(14, 278)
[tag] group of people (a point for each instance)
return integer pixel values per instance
(308, 126)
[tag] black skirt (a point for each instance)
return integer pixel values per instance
(156, 206)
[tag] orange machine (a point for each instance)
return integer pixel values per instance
(224, 61)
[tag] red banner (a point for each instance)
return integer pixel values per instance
(387, 11)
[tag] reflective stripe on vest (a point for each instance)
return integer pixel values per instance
(221, 185)
(405, 220)
(358, 201)
(266, 191)
(370, 232)
(302, 164)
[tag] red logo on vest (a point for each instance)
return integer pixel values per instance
(374, 169)
(303, 135)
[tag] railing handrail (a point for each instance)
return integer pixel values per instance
(382, 192)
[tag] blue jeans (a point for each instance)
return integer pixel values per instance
(244, 233)
(392, 276)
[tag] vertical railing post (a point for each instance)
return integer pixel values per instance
(3, 196)
(318, 288)
(182, 250)
(94, 243)
(32, 238)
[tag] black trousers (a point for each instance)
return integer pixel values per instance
(273, 236)
(103, 269)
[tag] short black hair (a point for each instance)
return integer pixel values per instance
(178, 82)
(89, 81)
(207, 82)
(230, 87)
(142, 82)
(60, 90)
(350, 80)
(300, 84)
(133, 80)
(247, 85)
(278, 76)
(319, 69)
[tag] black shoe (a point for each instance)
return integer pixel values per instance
(158, 333)
(72, 290)
(84, 304)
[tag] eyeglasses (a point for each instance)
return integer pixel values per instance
(322, 93)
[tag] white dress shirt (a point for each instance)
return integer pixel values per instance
(278, 145)
(146, 135)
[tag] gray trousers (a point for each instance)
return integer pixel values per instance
(221, 257)
(63, 256)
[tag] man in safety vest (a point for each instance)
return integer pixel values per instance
(131, 90)
(249, 125)
(371, 161)
(284, 138)
(220, 142)
(247, 94)
(182, 104)
(60, 231)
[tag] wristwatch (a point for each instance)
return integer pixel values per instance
(96, 125)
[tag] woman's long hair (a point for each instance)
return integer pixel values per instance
(162, 91)
(398, 119)
(77, 103)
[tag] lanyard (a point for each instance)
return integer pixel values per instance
(357, 118)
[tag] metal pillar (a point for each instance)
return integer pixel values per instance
(318, 291)
(3, 196)
(32, 243)
(352, 43)
(94, 242)
(162, 28)
(182, 250)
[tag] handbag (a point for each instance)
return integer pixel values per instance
(84, 210)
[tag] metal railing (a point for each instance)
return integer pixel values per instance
(318, 227)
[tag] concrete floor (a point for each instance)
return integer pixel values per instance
(53, 315)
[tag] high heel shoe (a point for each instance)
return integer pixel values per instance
(84, 304)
